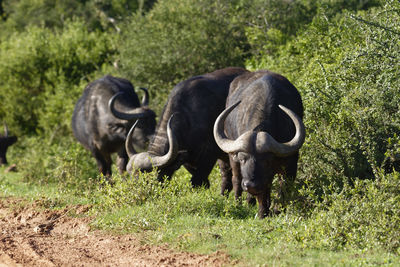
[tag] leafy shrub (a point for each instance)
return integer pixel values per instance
(65, 162)
(126, 191)
(271, 24)
(178, 39)
(173, 197)
(45, 73)
(345, 68)
(97, 15)
(365, 216)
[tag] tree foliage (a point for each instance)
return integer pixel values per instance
(100, 15)
(44, 73)
(178, 39)
(347, 70)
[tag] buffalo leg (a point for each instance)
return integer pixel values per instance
(201, 172)
(103, 162)
(264, 201)
(122, 160)
(226, 176)
(251, 200)
(236, 178)
(165, 174)
(3, 159)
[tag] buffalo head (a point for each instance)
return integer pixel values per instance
(145, 161)
(144, 117)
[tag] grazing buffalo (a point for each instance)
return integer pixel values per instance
(184, 133)
(262, 130)
(103, 116)
(5, 142)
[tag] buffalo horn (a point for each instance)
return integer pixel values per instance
(134, 114)
(130, 150)
(145, 160)
(227, 145)
(264, 142)
(145, 99)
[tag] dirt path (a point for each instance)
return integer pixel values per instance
(30, 237)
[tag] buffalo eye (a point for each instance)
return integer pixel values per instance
(242, 157)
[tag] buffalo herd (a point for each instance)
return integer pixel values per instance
(250, 122)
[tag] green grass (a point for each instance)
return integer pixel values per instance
(13, 184)
(202, 221)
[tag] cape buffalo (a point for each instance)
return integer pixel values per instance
(262, 134)
(102, 132)
(5, 142)
(184, 133)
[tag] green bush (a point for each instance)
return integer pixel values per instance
(98, 15)
(273, 23)
(346, 68)
(174, 197)
(142, 202)
(178, 39)
(44, 73)
(65, 162)
(364, 216)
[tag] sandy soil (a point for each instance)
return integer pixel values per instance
(30, 236)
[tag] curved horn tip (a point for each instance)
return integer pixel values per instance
(290, 147)
(128, 142)
(236, 104)
(136, 113)
(170, 118)
(170, 133)
(145, 99)
(282, 107)
(113, 98)
(145, 161)
(221, 139)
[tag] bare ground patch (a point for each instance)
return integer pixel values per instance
(30, 236)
